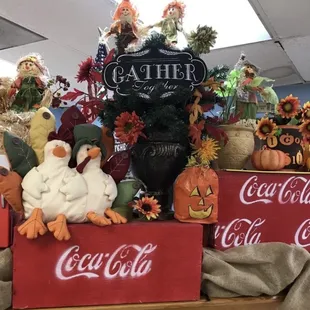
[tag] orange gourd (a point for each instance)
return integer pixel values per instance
(269, 160)
(196, 196)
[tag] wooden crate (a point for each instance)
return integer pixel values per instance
(120, 264)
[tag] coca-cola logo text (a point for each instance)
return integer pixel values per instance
(294, 190)
(239, 232)
(302, 235)
(126, 261)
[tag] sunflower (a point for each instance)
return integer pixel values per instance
(304, 128)
(148, 206)
(306, 111)
(288, 107)
(85, 71)
(207, 151)
(129, 127)
(265, 128)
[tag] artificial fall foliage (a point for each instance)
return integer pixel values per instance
(165, 119)
(201, 40)
(117, 166)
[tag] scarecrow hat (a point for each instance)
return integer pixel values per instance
(87, 134)
(35, 59)
(243, 61)
(125, 4)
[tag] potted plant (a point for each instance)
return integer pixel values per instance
(287, 129)
(155, 128)
(156, 131)
(233, 123)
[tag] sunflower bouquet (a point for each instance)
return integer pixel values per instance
(288, 129)
(288, 111)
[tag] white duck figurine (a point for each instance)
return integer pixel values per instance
(53, 194)
(102, 189)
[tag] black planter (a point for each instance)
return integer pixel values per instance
(157, 164)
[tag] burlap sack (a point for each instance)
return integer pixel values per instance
(16, 123)
(259, 269)
(6, 270)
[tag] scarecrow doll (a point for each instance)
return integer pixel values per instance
(125, 25)
(172, 21)
(30, 88)
(248, 72)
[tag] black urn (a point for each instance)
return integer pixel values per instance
(157, 165)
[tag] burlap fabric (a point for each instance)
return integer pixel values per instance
(6, 270)
(17, 124)
(259, 269)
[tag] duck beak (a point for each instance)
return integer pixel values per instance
(94, 152)
(59, 151)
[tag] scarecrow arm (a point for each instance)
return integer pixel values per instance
(16, 85)
(39, 83)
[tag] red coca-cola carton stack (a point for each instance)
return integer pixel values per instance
(5, 221)
(133, 263)
(257, 207)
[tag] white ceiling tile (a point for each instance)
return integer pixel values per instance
(298, 51)
(289, 80)
(72, 22)
(288, 18)
(266, 55)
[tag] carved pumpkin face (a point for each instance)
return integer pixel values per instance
(196, 196)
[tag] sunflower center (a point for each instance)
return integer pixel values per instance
(146, 207)
(128, 127)
(288, 107)
(265, 129)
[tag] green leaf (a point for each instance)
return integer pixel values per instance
(20, 155)
(270, 96)
(257, 81)
(126, 193)
(293, 121)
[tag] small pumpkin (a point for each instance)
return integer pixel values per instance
(270, 160)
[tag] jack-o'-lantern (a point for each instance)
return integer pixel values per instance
(196, 196)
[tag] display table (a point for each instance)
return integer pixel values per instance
(246, 303)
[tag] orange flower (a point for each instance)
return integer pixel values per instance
(129, 127)
(265, 128)
(288, 107)
(148, 206)
(306, 111)
(304, 128)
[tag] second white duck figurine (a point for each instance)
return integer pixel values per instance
(102, 190)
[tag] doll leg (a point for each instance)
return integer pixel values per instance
(115, 217)
(59, 228)
(34, 226)
(97, 219)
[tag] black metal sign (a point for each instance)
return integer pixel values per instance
(142, 70)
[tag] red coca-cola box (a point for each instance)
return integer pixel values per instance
(120, 264)
(5, 224)
(256, 207)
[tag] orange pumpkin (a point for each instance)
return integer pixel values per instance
(196, 196)
(269, 160)
(108, 141)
